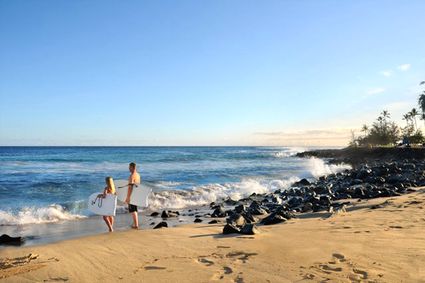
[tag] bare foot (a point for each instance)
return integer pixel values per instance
(134, 227)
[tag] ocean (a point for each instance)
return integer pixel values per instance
(52, 184)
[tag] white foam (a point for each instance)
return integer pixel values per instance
(289, 152)
(317, 167)
(206, 194)
(36, 215)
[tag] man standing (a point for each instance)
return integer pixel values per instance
(134, 179)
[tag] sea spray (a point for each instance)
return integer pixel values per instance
(317, 167)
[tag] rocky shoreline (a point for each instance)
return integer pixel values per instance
(376, 173)
(362, 155)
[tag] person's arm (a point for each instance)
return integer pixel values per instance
(105, 191)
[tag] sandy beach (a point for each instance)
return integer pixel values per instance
(379, 240)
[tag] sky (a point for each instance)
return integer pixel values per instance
(283, 73)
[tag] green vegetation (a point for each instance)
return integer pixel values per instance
(384, 132)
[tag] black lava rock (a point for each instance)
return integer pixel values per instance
(167, 214)
(303, 182)
(236, 219)
(250, 229)
(273, 218)
(240, 208)
(219, 212)
(230, 229)
(198, 220)
(8, 240)
(162, 224)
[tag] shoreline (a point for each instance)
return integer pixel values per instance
(344, 248)
(303, 196)
(319, 230)
(52, 232)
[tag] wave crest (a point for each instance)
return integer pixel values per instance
(292, 151)
(37, 215)
(206, 194)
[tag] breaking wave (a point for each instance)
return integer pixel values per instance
(206, 194)
(288, 152)
(37, 215)
(317, 167)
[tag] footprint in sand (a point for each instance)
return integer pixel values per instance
(56, 279)
(243, 256)
(153, 267)
(205, 261)
(19, 265)
(339, 257)
(330, 268)
(334, 271)
(360, 272)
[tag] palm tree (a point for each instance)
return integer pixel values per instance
(384, 116)
(365, 128)
(406, 117)
(413, 114)
(421, 102)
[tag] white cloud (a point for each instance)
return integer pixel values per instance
(386, 73)
(404, 67)
(374, 91)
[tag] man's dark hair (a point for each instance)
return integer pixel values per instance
(133, 165)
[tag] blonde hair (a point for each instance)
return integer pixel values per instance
(110, 182)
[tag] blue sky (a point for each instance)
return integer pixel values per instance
(205, 72)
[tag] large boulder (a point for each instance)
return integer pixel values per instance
(162, 224)
(273, 218)
(236, 219)
(230, 229)
(249, 229)
(8, 240)
(256, 209)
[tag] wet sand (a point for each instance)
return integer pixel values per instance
(380, 240)
(36, 234)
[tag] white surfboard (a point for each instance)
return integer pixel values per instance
(138, 197)
(103, 206)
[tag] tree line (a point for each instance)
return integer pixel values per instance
(385, 132)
